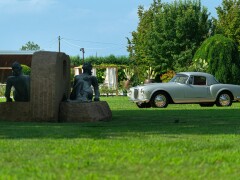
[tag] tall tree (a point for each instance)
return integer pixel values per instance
(228, 22)
(139, 46)
(169, 34)
(30, 46)
(222, 56)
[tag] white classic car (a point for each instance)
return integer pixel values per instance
(185, 88)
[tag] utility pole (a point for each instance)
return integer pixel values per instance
(82, 49)
(59, 45)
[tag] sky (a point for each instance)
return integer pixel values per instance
(98, 26)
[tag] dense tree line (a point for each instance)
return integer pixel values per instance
(111, 59)
(169, 34)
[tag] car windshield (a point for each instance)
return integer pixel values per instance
(179, 78)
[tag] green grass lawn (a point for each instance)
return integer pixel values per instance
(179, 142)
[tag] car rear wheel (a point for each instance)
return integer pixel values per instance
(143, 105)
(159, 100)
(224, 99)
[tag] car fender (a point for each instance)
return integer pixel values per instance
(215, 90)
(163, 90)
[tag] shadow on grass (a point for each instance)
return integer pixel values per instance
(131, 123)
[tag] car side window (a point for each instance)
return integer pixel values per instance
(199, 80)
(180, 79)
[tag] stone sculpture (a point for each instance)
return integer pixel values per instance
(21, 84)
(82, 87)
(50, 81)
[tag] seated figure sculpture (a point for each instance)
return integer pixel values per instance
(21, 84)
(82, 87)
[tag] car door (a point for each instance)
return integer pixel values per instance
(197, 89)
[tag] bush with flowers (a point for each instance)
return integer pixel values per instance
(166, 77)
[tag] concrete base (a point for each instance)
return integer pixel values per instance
(84, 112)
(15, 111)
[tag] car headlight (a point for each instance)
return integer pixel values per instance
(129, 93)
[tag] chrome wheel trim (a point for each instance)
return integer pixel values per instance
(160, 100)
(224, 100)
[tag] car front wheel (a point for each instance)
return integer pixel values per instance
(224, 99)
(159, 100)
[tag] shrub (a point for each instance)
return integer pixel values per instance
(2, 90)
(100, 75)
(26, 69)
(166, 77)
(199, 65)
(105, 90)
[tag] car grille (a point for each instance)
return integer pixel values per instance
(136, 93)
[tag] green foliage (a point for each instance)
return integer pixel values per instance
(106, 91)
(111, 59)
(166, 77)
(26, 69)
(199, 65)
(100, 75)
(30, 46)
(228, 22)
(75, 61)
(2, 90)
(139, 47)
(168, 34)
(121, 74)
(139, 76)
(222, 56)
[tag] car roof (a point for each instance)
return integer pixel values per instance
(210, 78)
(196, 74)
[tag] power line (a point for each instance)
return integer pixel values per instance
(75, 46)
(71, 43)
(93, 42)
(78, 46)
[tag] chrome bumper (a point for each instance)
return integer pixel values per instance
(139, 100)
